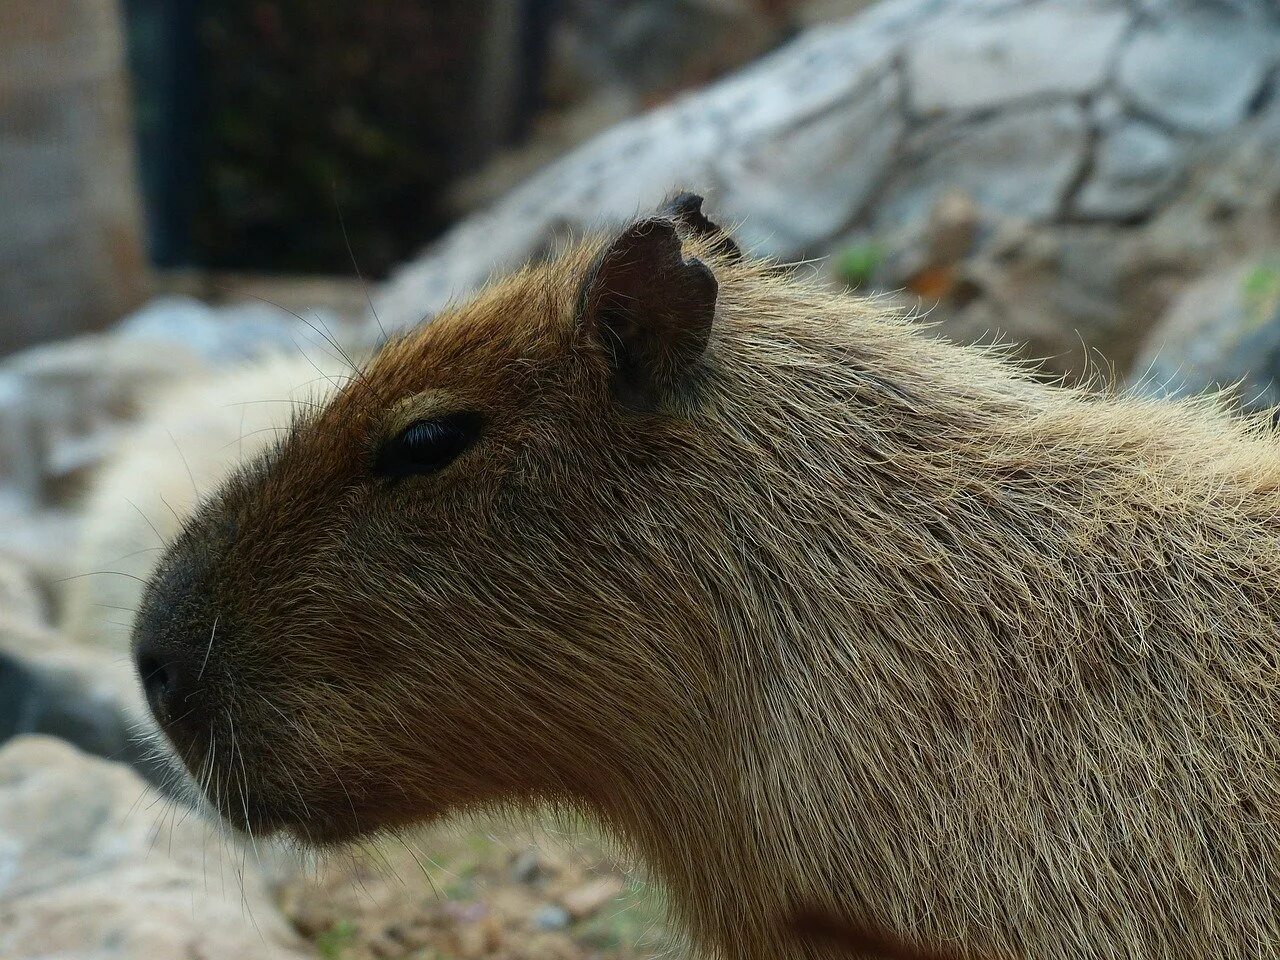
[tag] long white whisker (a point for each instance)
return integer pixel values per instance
(209, 649)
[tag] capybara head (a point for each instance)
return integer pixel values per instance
(460, 580)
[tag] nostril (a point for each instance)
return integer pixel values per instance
(170, 654)
(158, 681)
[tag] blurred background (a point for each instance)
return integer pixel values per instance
(204, 201)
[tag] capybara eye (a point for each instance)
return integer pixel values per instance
(427, 445)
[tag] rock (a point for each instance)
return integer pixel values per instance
(585, 900)
(527, 866)
(66, 396)
(812, 181)
(1134, 165)
(41, 541)
(972, 66)
(53, 703)
(734, 132)
(1176, 68)
(20, 596)
(551, 917)
(21, 467)
(1223, 330)
(92, 864)
(62, 405)
(1019, 163)
(224, 335)
(89, 698)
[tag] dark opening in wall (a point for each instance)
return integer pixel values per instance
(258, 119)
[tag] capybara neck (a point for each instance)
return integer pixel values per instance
(988, 658)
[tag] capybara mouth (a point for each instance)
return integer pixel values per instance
(254, 820)
(255, 816)
(225, 791)
(223, 794)
(255, 812)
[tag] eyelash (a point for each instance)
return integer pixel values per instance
(427, 446)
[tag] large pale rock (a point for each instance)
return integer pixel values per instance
(21, 472)
(736, 141)
(94, 865)
(1197, 70)
(1223, 332)
(814, 180)
(1060, 49)
(58, 403)
(20, 595)
(1018, 163)
(41, 541)
(62, 405)
(234, 333)
(630, 167)
(1134, 165)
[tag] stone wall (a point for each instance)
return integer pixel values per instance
(1067, 128)
(71, 254)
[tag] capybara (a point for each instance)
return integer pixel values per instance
(822, 615)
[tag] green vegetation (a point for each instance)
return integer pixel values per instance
(1262, 291)
(859, 263)
(334, 942)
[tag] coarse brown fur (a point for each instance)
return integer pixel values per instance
(854, 623)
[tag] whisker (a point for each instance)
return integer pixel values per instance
(173, 511)
(147, 520)
(131, 555)
(346, 238)
(251, 433)
(209, 649)
(195, 489)
(100, 573)
(304, 403)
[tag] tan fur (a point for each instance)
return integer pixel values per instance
(863, 626)
(189, 438)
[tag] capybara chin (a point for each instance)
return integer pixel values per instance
(821, 615)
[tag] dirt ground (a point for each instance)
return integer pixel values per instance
(483, 890)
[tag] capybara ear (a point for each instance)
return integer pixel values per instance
(686, 209)
(650, 309)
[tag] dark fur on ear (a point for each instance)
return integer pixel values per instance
(686, 209)
(651, 310)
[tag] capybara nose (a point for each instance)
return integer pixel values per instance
(172, 646)
(169, 680)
